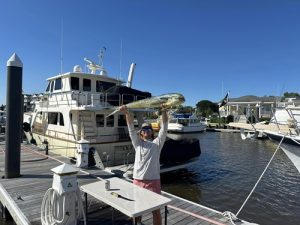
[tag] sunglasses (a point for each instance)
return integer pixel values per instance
(146, 129)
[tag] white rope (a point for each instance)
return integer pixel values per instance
(260, 176)
(232, 218)
(55, 208)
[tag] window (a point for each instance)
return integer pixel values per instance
(100, 120)
(51, 86)
(58, 85)
(61, 119)
(48, 87)
(103, 86)
(75, 83)
(110, 121)
(122, 121)
(52, 118)
(86, 85)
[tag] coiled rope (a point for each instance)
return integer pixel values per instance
(54, 208)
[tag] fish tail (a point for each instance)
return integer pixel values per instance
(117, 110)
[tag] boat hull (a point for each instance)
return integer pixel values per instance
(110, 153)
(178, 128)
(122, 153)
(291, 147)
(287, 139)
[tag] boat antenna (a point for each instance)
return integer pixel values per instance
(121, 54)
(101, 55)
(61, 44)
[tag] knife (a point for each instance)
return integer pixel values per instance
(120, 196)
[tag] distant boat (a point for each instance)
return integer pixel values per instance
(185, 123)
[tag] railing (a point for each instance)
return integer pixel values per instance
(87, 99)
(104, 99)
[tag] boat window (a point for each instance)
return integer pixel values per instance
(110, 121)
(103, 85)
(48, 86)
(61, 119)
(100, 120)
(57, 84)
(75, 83)
(121, 121)
(86, 85)
(39, 116)
(51, 86)
(52, 118)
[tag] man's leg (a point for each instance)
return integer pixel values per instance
(156, 217)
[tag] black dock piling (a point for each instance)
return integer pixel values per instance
(13, 117)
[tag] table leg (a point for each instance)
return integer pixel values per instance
(112, 215)
(166, 215)
(86, 207)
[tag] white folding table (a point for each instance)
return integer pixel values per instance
(131, 200)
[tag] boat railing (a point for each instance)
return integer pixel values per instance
(105, 99)
(80, 99)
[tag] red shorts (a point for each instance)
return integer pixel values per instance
(151, 185)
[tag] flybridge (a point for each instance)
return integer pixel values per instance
(91, 88)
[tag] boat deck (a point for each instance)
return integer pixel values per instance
(22, 197)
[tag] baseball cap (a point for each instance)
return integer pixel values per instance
(146, 125)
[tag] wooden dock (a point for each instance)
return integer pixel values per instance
(22, 197)
(284, 129)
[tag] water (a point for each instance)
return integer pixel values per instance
(228, 169)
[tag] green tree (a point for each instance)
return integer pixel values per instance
(290, 95)
(206, 108)
(185, 109)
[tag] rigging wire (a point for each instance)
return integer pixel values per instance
(260, 177)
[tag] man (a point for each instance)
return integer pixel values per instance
(146, 171)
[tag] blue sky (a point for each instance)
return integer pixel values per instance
(201, 49)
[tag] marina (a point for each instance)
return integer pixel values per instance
(31, 186)
(150, 113)
(220, 180)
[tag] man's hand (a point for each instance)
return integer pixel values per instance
(123, 109)
(164, 113)
(163, 107)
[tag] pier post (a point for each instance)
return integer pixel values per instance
(13, 118)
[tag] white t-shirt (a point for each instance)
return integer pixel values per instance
(147, 153)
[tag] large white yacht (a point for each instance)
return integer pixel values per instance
(75, 106)
(74, 109)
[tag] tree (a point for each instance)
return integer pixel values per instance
(206, 108)
(185, 109)
(290, 95)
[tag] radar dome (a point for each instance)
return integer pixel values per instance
(77, 69)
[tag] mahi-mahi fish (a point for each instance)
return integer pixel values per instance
(167, 100)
